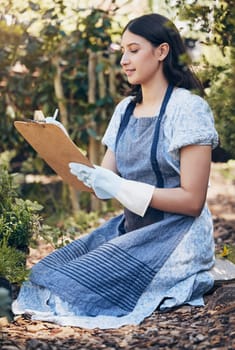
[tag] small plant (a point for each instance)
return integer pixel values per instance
(228, 252)
(19, 221)
(225, 252)
(12, 263)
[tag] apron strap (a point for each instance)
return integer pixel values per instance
(125, 120)
(154, 162)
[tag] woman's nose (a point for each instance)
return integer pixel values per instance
(124, 59)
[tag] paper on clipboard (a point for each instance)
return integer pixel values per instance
(56, 148)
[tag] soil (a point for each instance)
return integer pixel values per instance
(200, 328)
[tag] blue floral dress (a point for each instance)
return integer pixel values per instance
(130, 266)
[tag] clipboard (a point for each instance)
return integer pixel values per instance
(55, 148)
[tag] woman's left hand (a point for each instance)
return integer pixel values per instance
(106, 184)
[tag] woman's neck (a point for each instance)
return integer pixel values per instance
(154, 93)
(152, 99)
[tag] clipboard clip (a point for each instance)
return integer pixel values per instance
(39, 116)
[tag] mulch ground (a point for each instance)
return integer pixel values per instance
(200, 328)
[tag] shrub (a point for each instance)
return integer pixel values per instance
(19, 221)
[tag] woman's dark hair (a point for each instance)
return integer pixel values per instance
(158, 29)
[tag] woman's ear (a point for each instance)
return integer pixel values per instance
(163, 50)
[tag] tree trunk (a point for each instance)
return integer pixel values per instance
(59, 92)
(112, 75)
(93, 147)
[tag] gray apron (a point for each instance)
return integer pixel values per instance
(140, 136)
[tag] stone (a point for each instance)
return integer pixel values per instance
(223, 270)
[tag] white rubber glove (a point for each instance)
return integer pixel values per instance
(133, 195)
(52, 120)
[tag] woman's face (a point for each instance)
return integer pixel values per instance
(140, 61)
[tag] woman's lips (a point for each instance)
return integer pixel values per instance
(129, 72)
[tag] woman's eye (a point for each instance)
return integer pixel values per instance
(123, 52)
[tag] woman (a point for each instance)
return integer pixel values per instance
(158, 253)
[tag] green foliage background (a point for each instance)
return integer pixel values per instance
(212, 23)
(23, 92)
(36, 35)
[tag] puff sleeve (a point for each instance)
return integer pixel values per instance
(192, 124)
